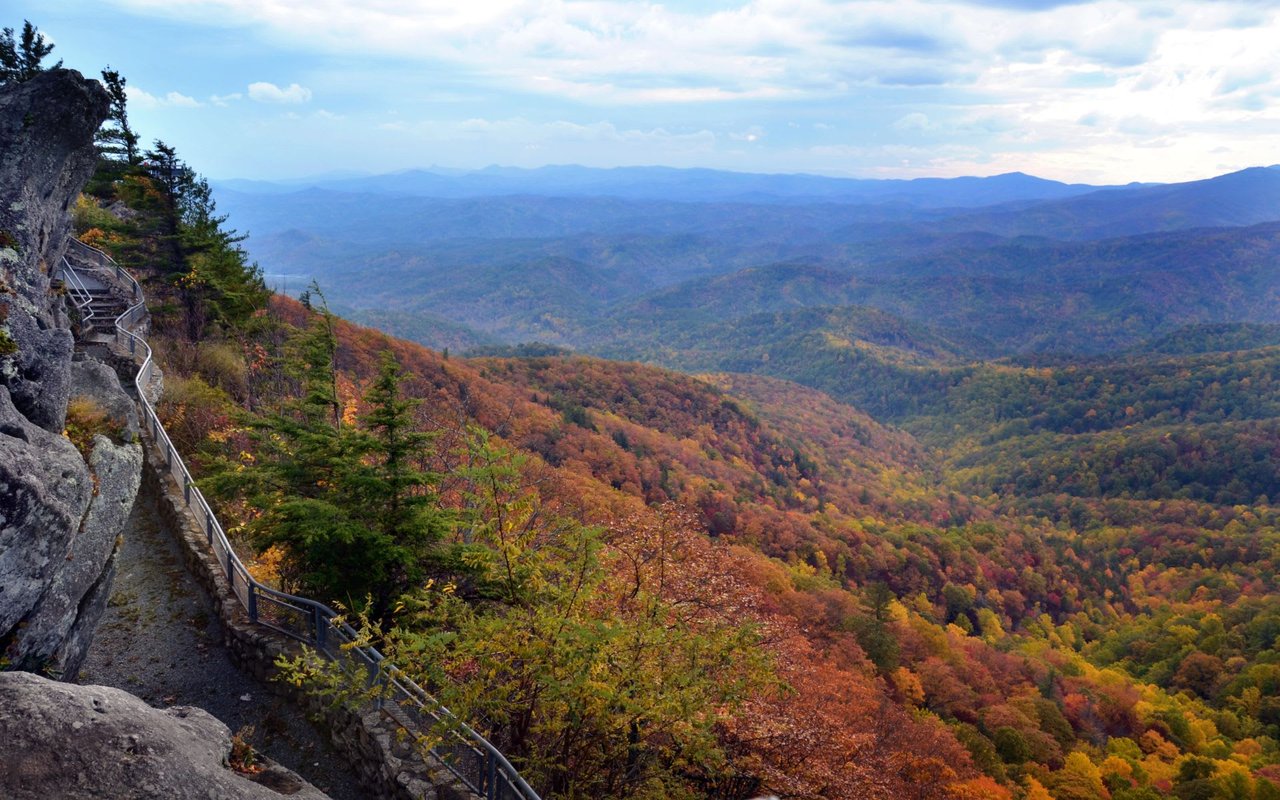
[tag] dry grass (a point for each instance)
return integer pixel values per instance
(86, 419)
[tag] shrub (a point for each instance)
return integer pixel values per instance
(86, 418)
(243, 758)
(191, 409)
(222, 365)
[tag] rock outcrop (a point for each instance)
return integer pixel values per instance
(46, 138)
(60, 511)
(111, 744)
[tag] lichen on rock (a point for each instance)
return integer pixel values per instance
(46, 135)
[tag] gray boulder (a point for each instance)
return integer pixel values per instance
(38, 376)
(97, 381)
(45, 490)
(73, 742)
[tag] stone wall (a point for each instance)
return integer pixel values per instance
(372, 743)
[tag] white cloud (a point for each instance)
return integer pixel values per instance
(626, 52)
(915, 121)
(563, 130)
(142, 99)
(1155, 81)
(265, 92)
(224, 100)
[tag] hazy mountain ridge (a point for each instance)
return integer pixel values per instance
(1022, 295)
(1089, 272)
(1247, 197)
(699, 185)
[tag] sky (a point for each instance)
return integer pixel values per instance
(1074, 90)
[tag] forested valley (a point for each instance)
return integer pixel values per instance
(1008, 536)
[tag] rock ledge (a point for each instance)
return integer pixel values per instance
(111, 744)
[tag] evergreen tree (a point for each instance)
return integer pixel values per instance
(117, 140)
(219, 284)
(872, 628)
(394, 494)
(176, 234)
(172, 176)
(20, 59)
(352, 509)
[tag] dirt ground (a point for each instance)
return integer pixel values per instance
(159, 640)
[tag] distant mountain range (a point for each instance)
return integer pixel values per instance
(682, 185)
(975, 267)
(1239, 198)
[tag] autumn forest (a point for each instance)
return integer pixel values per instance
(807, 532)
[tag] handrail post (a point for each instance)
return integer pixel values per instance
(373, 669)
(253, 601)
(322, 628)
(491, 790)
(208, 526)
(186, 488)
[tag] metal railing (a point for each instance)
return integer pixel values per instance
(463, 751)
(80, 296)
(106, 263)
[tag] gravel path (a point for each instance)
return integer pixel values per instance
(160, 641)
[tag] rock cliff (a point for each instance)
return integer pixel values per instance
(61, 511)
(111, 744)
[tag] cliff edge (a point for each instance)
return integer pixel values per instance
(61, 509)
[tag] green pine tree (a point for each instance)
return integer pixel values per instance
(20, 58)
(395, 492)
(116, 139)
(353, 509)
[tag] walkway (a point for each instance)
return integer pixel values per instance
(160, 640)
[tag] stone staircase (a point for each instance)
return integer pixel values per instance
(97, 301)
(105, 306)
